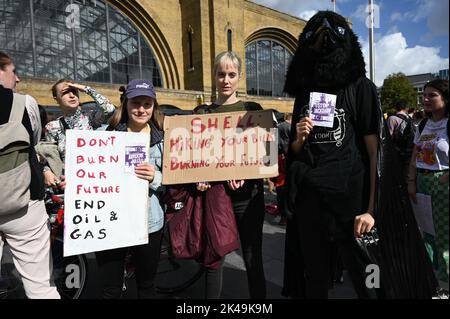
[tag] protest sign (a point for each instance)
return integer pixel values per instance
(321, 108)
(105, 204)
(219, 146)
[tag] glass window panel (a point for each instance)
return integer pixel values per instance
(150, 68)
(60, 48)
(54, 55)
(15, 34)
(91, 44)
(250, 67)
(266, 66)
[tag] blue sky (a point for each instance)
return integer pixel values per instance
(411, 36)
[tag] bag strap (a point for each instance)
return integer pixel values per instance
(64, 124)
(422, 125)
(424, 122)
(252, 106)
(203, 107)
(403, 117)
(18, 108)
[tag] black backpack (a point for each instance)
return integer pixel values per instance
(403, 136)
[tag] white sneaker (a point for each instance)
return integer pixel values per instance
(441, 294)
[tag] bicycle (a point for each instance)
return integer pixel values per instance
(69, 273)
(173, 276)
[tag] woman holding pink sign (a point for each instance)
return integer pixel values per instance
(247, 195)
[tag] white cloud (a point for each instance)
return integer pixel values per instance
(393, 29)
(396, 16)
(436, 14)
(392, 55)
(306, 15)
(360, 13)
(402, 16)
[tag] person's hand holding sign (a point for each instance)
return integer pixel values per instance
(145, 171)
(235, 184)
(203, 186)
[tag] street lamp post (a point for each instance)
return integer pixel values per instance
(371, 42)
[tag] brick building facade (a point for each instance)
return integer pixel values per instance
(184, 36)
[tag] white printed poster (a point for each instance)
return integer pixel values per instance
(105, 204)
(321, 108)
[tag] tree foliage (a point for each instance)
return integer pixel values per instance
(395, 87)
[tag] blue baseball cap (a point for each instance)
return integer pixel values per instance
(140, 88)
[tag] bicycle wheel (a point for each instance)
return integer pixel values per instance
(175, 275)
(69, 273)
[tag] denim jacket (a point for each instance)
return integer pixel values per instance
(156, 190)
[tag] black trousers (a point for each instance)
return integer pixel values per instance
(145, 259)
(323, 223)
(248, 205)
(281, 200)
(213, 282)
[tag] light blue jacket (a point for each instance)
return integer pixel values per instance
(156, 191)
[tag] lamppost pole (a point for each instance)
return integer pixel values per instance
(371, 42)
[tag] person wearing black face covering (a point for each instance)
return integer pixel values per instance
(333, 176)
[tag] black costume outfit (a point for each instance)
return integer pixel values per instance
(329, 183)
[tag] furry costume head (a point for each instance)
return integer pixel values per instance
(328, 56)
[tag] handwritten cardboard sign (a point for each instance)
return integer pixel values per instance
(106, 205)
(219, 146)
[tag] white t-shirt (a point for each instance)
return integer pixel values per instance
(432, 146)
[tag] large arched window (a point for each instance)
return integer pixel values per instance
(84, 40)
(266, 64)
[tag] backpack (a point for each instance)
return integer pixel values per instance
(403, 136)
(15, 170)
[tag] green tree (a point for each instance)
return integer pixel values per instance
(395, 87)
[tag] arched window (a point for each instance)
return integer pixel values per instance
(266, 64)
(230, 40)
(84, 40)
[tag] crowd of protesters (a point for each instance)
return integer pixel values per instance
(331, 187)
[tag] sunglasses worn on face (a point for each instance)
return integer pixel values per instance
(69, 90)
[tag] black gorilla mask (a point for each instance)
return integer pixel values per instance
(328, 56)
(325, 38)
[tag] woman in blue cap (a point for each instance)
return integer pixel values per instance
(138, 113)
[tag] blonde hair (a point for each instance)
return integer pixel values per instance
(226, 56)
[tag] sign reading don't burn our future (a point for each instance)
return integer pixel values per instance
(219, 146)
(106, 204)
